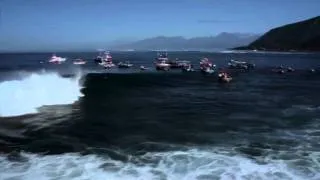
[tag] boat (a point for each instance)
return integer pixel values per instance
(224, 77)
(207, 70)
(126, 64)
(282, 69)
(162, 62)
(178, 64)
(56, 59)
(279, 70)
(79, 62)
(290, 69)
(162, 56)
(104, 60)
(99, 58)
(312, 70)
(143, 68)
(162, 65)
(206, 63)
(207, 66)
(233, 64)
(107, 65)
(188, 68)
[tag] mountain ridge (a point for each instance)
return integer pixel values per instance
(299, 36)
(222, 40)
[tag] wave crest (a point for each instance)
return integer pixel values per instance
(19, 97)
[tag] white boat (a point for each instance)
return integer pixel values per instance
(107, 65)
(208, 70)
(105, 61)
(143, 68)
(188, 68)
(162, 57)
(162, 62)
(126, 64)
(79, 62)
(162, 65)
(233, 64)
(290, 69)
(207, 66)
(206, 63)
(56, 59)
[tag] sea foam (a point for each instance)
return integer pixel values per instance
(19, 97)
(183, 165)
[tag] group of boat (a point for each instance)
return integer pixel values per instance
(206, 66)
(54, 59)
(105, 60)
(282, 69)
(163, 63)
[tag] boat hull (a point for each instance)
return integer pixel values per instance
(79, 63)
(124, 65)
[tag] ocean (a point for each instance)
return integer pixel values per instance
(84, 122)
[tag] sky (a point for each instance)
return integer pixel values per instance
(36, 24)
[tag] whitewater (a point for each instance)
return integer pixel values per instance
(192, 164)
(25, 96)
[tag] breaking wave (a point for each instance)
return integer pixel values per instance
(19, 97)
(184, 165)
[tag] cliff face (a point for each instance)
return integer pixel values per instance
(303, 35)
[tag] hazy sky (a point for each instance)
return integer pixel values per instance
(46, 23)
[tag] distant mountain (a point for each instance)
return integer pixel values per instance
(300, 36)
(223, 40)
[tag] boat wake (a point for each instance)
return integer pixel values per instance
(19, 97)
